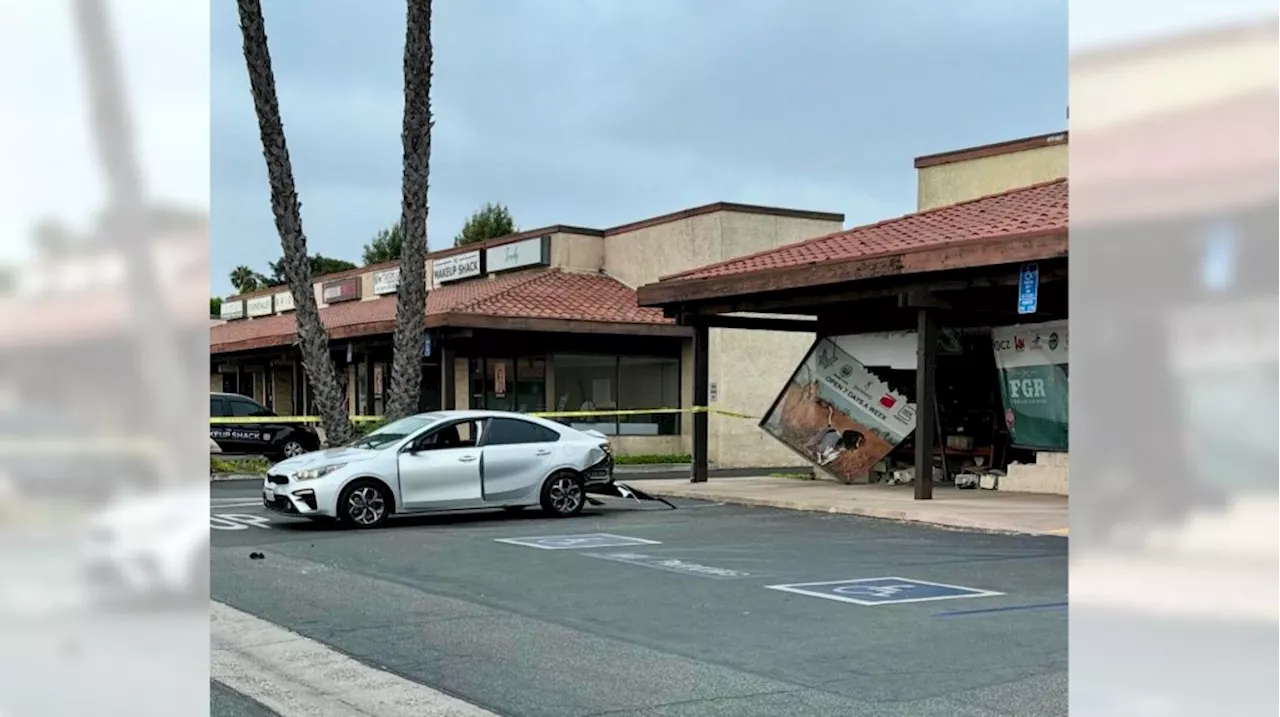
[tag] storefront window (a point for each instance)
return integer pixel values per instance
(531, 384)
(613, 383)
(648, 382)
(505, 384)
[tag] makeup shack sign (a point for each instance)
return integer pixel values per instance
(1032, 363)
(456, 267)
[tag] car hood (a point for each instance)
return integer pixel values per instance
(325, 457)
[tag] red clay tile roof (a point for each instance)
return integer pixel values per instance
(1041, 207)
(559, 295)
(541, 293)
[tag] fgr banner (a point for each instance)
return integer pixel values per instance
(837, 414)
(1032, 361)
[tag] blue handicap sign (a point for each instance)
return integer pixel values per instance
(582, 541)
(1029, 289)
(883, 591)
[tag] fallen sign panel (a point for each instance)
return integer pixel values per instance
(584, 541)
(673, 565)
(883, 591)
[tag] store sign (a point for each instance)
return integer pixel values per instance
(839, 415)
(258, 306)
(458, 266)
(529, 252)
(386, 282)
(342, 290)
(1032, 362)
(232, 310)
(283, 301)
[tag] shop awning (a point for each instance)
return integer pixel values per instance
(1025, 224)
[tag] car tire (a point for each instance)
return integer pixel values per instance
(563, 495)
(373, 496)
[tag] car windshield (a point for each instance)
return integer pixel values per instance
(394, 431)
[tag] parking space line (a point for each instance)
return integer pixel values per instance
(1008, 608)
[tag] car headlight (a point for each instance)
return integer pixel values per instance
(314, 473)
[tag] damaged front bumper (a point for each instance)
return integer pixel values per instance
(622, 490)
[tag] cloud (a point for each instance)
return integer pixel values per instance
(603, 112)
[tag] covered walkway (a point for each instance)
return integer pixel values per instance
(955, 266)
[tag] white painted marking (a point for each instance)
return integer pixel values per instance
(581, 541)
(799, 589)
(299, 677)
(238, 521)
(218, 522)
(241, 504)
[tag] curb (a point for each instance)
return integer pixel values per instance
(897, 516)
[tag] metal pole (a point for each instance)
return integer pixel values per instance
(701, 397)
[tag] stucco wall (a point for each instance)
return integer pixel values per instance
(749, 368)
(644, 255)
(954, 182)
(577, 252)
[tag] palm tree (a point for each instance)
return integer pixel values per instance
(125, 224)
(313, 339)
(411, 299)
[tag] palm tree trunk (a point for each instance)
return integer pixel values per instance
(411, 299)
(314, 340)
(156, 343)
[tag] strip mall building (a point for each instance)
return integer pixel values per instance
(547, 320)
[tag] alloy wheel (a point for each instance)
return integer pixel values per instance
(293, 448)
(366, 505)
(566, 495)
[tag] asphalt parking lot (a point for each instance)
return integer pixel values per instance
(675, 617)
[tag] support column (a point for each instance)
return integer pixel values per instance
(448, 386)
(701, 397)
(926, 361)
(370, 401)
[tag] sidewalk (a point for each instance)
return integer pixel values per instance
(981, 510)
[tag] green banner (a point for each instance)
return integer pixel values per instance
(1032, 362)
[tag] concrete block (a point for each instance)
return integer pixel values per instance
(989, 481)
(1052, 459)
(1035, 478)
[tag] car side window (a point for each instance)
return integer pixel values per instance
(248, 409)
(217, 407)
(455, 435)
(512, 431)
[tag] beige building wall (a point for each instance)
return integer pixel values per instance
(959, 181)
(748, 368)
(577, 252)
(1178, 75)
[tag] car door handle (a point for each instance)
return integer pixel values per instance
(544, 452)
(466, 459)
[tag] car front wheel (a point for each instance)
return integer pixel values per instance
(364, 504)
(563, 495)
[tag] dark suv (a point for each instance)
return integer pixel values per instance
(276, 441)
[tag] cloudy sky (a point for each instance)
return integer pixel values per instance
(601, 112)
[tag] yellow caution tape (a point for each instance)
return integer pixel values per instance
(255, 420)
(541, 414)
(122, 446)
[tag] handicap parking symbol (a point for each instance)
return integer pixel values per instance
(583, 541)
(883, 591)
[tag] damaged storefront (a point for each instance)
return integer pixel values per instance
(1000, 402)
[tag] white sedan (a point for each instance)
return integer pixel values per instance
(444, 461)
